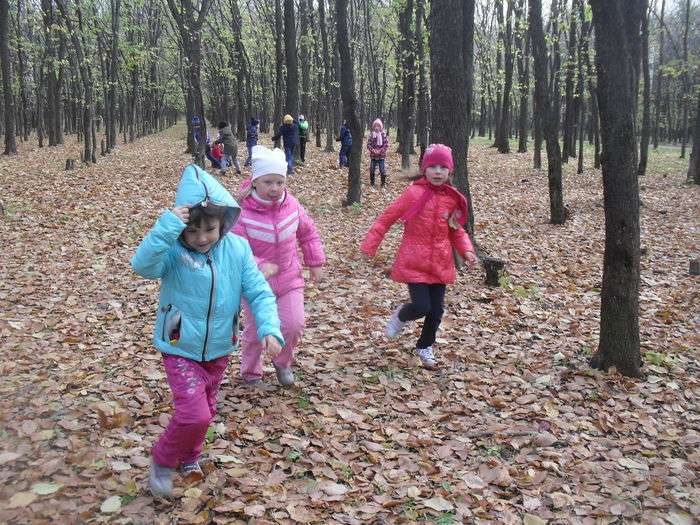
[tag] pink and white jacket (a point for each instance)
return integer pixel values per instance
(273, 229)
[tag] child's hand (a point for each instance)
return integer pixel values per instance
(316, 274)
(271, 345)
(269, 269)
(471, 259)
(182, 213)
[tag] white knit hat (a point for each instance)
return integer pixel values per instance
(268, 162)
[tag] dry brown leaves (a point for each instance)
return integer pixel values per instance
(513, 428)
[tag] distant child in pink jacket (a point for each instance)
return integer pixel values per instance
(273, 221)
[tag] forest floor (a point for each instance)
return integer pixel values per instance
(513, 428)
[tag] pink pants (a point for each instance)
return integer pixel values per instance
(194, 387)
(290, 308)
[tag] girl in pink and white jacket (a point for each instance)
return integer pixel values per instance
(273, 221)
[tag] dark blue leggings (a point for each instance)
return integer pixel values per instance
(427, 301)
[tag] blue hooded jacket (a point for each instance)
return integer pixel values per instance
(200, 294)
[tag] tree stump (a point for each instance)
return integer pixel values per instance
(494, 269)
(70, 164)
(694, 267)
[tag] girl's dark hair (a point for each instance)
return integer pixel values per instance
(222, 124)
(210, 211)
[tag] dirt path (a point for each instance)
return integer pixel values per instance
(514, 426)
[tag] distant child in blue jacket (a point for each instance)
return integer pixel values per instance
(289, 131)
(345, 140)
(251, 138)
(203, 272)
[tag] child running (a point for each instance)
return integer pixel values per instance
(203, 272)
(432, 211)
(377, 145)
(273, 221)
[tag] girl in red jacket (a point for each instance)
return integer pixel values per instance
(432, 211)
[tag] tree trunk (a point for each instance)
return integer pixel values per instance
(557, 210)
(422, 113)
(451, 22)
(685, 99)
(279, 66)
(25, 120)
(617, 24)
(694, 166)
(659, 77)
(9, 106)
(407, 68)
(347, 91)
(521, 44)
(85, 77)
(569, 146)
(304, 54)
(646, 97)
(502, 142)
(113, 77)
(327, 78)
(290, 52)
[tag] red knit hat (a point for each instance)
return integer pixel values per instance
(437, 155)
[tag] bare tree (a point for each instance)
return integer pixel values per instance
(8, 99)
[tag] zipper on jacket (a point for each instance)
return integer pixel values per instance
(212, 297)
(165, 309)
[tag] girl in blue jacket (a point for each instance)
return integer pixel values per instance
(203, 272)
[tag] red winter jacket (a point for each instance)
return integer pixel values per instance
(425, 254)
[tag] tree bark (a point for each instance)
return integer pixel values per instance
(569, 145)
(617, 24)
(279, 65)
(646, 97)
(327, 78)
(522, 43)
(347, 91)
(557, 211)
(502, 143)
(659, 77)
(451, 22)
(422, 112)
(290, 52)
(685, 99)
(694, 166)
(407, 68)
(8, 99)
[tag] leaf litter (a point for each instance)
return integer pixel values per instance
(514, 427)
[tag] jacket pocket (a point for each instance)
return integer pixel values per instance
(172, 322)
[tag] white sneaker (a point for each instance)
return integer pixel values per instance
(427, 357)
(394, 325)
(160, 480)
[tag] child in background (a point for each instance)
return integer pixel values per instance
(251, 138)
(216, 155)
(227, 138)
(203, 272)
(345, 140)
(433, 212)
(289, 131)
(303, 137)
(377, 145)
(274, 222)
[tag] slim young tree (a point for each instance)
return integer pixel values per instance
(8, 99)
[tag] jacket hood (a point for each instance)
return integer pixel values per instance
(378, 121)
(198, 187)
(254, 121)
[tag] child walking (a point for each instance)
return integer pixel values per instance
(289, 132)
(345, 139)
(432, 211)
(377, 145)
(228, 139)
(274, 222)
(251, 138)
(203, 272)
